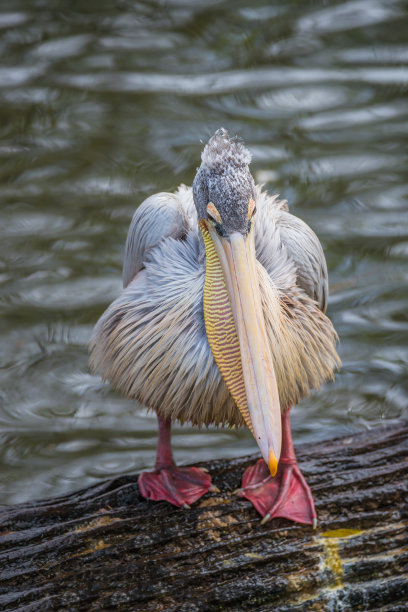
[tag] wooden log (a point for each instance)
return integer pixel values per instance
(105, 548)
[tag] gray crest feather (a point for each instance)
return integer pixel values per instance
(221, 152)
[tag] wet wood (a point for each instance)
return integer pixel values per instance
(105, 548)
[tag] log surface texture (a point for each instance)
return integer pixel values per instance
(105, 548)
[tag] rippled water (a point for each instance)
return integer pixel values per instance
(103, 103)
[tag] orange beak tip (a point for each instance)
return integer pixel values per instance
(272, 463)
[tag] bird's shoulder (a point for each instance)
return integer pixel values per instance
(162, 215)
(282, 235)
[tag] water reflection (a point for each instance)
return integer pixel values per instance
(103, 105)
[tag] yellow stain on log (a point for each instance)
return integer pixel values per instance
(341, 533)
(98, 545)
(255, 556)
(213, 501)
(332, 560)
(98, 522)
(212, 520)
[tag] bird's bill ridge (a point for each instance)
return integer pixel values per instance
(254, 386)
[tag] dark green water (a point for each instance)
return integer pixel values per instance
(103, 103)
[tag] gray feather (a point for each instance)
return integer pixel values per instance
(286, 245)
(160, 216)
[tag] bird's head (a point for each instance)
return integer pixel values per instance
(225, 198)
(224, 190)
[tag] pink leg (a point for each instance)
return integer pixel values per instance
(287, 495)
(179, 486)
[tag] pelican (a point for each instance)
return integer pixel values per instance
(221, 321)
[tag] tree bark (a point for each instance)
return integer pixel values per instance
(106, 548)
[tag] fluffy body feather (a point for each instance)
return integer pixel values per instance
(151, 343)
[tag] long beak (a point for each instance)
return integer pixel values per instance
(236, 255)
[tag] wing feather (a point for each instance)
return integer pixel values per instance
(306, 252)
(160, 216)
(283, 239)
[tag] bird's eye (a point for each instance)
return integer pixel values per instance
(213, 214)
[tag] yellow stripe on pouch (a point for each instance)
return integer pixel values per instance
(220, 327)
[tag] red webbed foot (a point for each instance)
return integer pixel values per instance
(181, 486)
(287, 495)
